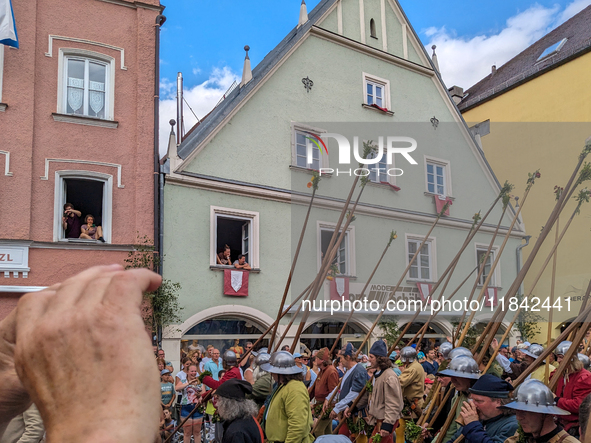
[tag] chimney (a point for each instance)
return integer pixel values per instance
(457, 94)
(493, 70)
(303, 14)
(246, 71)
(434, 58)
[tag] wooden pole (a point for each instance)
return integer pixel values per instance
(315, 180)
(551, 311)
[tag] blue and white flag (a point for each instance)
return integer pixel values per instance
(8, 34)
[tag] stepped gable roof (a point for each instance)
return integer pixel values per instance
(526, 66)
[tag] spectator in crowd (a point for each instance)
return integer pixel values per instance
(237, 412)
(241, 263)
(223, 258)
(166, 388)
(24, 428)
(248, 374)
(191, 390)
(161, 364)
(285, 348)
(71, 221)
(248, 359)
(195, 346)
(168, 425)
(364, 360)
(314, 369)
(168, 364)
(300, 364)
(195, 357)
(207, 357)
(430, 365)
(230, 365)
(215, 365)
(90, 231)
(328, 378)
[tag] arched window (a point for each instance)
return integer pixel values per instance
(372, 28)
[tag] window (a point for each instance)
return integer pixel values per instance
(372, 28)
(306, 140)
(423, 268)
(480, 253)
(86, 86)
(91, 194)
(344, 260)
(376, 91)
(552, 49)
(378, 173)
(438, 178)
(237, 229)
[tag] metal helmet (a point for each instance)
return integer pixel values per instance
(459, 351)
(533, 351)
(445, 348)
(562, 348)
(462, 366)
(229, 358)
(408, 354)
(585, 360)
(281, 362)
(262, 358)
(256, 353)
(534, 396)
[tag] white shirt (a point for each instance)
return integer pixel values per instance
(505, 363)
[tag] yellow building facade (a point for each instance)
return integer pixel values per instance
(539, 109)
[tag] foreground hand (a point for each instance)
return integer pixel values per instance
(469, 412)
(347, 413)
(383, 433)
(425, 433)
(14, 399)
(84, 341)
(333, 415)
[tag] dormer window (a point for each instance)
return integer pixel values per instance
(372, 28)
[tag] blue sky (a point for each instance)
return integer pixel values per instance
(204, 39)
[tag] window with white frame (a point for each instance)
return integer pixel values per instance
(237, 231)
(422, 268)
(376, 91)
(86, 84)
(480, 254)
(90, 193)
(344, 260)
(307, 148)
(438, 178)
(378, 172)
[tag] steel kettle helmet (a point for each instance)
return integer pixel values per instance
(281, 362)
(256, 353)
(230, 358)
(563, 347)
(455, 352)
(462, 366)
(262, 358)
(585, 360)
(534, 396)
(445, 348)
(533, 351)
(408, 354)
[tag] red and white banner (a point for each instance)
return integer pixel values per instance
(440, 202)
(339, 287)
(425, 291)
(236, 282)
(490, 298)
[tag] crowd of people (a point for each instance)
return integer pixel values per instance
(252, 396)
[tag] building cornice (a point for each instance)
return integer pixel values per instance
(226, 186)
(135, 5)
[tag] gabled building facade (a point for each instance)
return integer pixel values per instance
(540, 102)
(239, 179)
(76, 119)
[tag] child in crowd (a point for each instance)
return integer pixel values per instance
(167, 427)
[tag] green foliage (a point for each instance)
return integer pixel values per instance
(164, 307)
(471, 335)
(412, 431)
(368, 149)
(204, 374)
(527, 323)
(391, 331)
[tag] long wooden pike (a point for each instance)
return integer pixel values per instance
(451, 417)
(551, 311)
(315, 181)
(568, 190)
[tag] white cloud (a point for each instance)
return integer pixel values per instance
(464, 62)
(202, 98)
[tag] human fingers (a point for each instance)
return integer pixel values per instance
(126, 288)
(73, 288)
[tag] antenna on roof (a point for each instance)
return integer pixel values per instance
(303, 14)
(246, 71)
(434, 58)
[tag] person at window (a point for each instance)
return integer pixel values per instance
(241, 263)
(90, 231)
(224, 257)
(71, 221)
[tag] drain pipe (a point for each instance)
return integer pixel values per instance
(518, 257)
(160, 19)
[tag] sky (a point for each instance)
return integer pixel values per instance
(205, 40)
